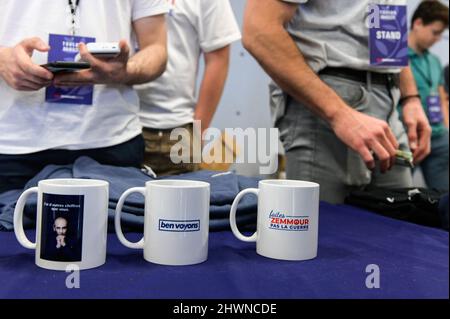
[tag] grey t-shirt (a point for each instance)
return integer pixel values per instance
(330, 33)
(334, 32)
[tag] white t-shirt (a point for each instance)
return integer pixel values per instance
(27, 123)
(195, 26)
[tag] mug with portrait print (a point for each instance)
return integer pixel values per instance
(71, 223)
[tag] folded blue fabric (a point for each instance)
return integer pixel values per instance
(7, 203)
(224, 188)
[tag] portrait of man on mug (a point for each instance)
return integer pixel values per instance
(64, 245)
(60, 244)
(61, 234)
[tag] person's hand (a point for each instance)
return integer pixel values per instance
(60, 242)
(368, 136)
(17, 69)
(419, 129)
(102, 71)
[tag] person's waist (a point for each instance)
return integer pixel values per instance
(188, 126)
(385, 79)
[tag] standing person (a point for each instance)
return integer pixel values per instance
(334, 103)
(427, 26)
(195, 28)
(53, 119)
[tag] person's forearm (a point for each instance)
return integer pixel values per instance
(444, 103)
(150, 62)
(408, 85)
(279, 56)
(2, 63)
(147, 65)
(211, 89)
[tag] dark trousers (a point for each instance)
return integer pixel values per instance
(17, 170)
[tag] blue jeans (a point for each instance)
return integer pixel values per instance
(435, 166)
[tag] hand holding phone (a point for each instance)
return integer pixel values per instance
(65, 66)
(107, 71)
(105, 50)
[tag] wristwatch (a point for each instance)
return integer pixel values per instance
(409, 97)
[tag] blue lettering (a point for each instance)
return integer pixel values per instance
(166, 225)
(276, 215)
(179, 226)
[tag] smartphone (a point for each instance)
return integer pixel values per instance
(66, 66)
(107, 50)
(104, 50)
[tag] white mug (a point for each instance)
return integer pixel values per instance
(288, 219)
(176, 224)
(71, 223)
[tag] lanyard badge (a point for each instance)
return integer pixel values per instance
(388, 34)
(64, 48)
(434, 109)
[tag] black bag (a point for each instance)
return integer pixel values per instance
(416, 205)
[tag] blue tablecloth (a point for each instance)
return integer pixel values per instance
(413, 262)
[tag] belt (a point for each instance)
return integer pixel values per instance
(386, 79)
(188, 126)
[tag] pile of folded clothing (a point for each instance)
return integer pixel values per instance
(224, 188)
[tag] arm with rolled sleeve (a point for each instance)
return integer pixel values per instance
(150, 62)
(217, 30)
(151, 33)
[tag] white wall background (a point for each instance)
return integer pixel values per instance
(246, 99)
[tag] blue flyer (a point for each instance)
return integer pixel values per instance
(388, 40)
(65, 48)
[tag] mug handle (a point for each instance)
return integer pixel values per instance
(234, 207)
(117, 224)
(18, 219)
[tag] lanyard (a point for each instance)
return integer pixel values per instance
(428, 77)
(73, 11)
